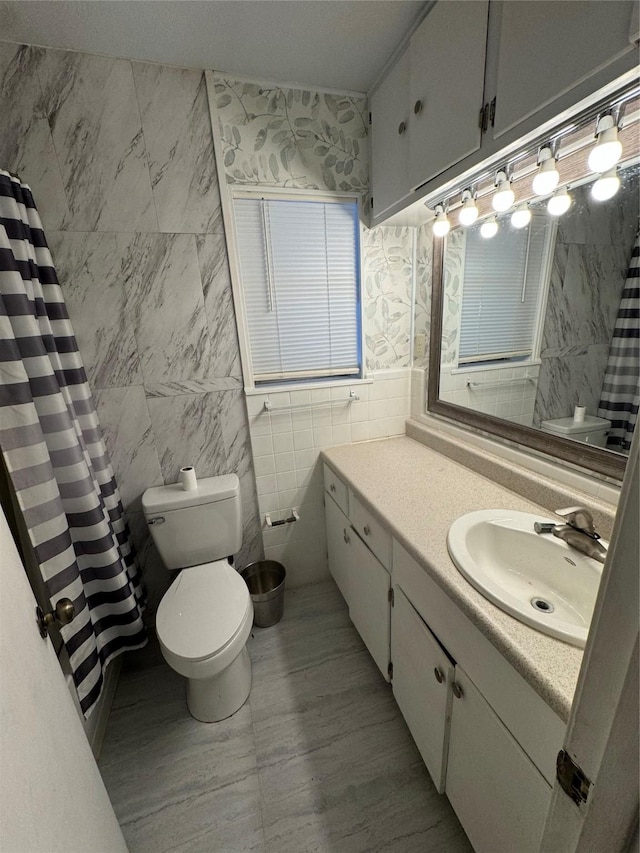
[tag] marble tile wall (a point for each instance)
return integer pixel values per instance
(120, 158)
(591, 259)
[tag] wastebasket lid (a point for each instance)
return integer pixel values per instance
(202, 610)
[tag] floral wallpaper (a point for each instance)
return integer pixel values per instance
(301, 139)
(424, 261)
(387, 294)
(292, 137)
(452, 297)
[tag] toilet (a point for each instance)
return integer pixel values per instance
(205, 617)
(592, 430)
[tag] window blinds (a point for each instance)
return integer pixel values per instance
(300, 272)
(503, 279)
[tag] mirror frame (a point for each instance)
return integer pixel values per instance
(593, 458)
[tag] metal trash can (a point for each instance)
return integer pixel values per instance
(265, 580)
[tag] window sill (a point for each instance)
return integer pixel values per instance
(478, 368)
(265, 390)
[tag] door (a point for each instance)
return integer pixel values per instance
(338, 528)
(369, 585)
(51, 794)
(547, 48)
(499, 796)
(390, 138)
(422, 675)
(447, 54)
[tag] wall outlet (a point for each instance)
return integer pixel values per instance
(419, 342)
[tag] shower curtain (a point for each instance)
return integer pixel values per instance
(621, 387)
(55, 455)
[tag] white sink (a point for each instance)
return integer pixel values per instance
(537, 578)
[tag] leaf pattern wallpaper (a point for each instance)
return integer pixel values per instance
(301, 139)
(424, 259)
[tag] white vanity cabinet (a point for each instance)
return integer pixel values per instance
(362, 579)
(422, 678)
(488, 739)
(500, 798)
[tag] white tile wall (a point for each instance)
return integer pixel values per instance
(286, 446)
(506, 395)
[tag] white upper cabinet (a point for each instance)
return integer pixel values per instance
(446, 87)
(519, 63)
(547, 48)
(390, 141)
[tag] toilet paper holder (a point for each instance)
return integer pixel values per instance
(295, 516)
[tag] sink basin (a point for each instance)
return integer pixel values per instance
(537, 578)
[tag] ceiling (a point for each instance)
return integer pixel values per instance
(339, 44)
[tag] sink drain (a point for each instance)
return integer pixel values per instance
(542, 605)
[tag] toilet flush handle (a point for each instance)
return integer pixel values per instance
(157, 519)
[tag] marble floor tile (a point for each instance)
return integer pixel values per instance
(319, 758)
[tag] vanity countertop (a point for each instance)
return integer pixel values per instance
(418, 493)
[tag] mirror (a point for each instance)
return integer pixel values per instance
(529, 333)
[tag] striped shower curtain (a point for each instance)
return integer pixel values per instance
(55, 455)
(621, 387)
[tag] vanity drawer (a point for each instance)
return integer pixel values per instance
(336, 488)
(371, 531)
(538, 730)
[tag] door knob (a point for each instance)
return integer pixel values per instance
(438, 674)
(457, 690)
(62, 614)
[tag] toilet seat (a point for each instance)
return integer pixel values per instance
(203, 612)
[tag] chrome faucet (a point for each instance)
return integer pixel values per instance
(578, 531)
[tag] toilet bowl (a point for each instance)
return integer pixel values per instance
(205, 617)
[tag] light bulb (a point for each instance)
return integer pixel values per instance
(441, 225)
(606, 186)
(469, 211)
(547, 177)
(521, 217)
(608, 148)
(489, 228)
(504, 195)
(559, 203)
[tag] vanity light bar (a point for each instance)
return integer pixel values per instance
(607, 149)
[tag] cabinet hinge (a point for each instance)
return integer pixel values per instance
(492, 112)
(369, 118)
(390, 671)
(572, 779)
(391, 596)
(484, 118)
(371, 202)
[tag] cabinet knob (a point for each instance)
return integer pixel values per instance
(438, 674)
(367, 530)
(401, 128)
(457, 690)
(417, 107)
(332, 487)
(346, 536)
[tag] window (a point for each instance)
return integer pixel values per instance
(505, 283)
(300, 272)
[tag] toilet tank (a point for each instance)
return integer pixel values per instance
(198, 526)
(590, 431)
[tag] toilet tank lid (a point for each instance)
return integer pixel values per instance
(210, 489)
(567, 426)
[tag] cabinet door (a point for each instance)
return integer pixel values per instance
(369, 585)
(447, 54)
(547, 48)
(338, 531)
(389, 141)
(500, 798)
(422, 675)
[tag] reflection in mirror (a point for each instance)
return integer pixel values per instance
(540, 324)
